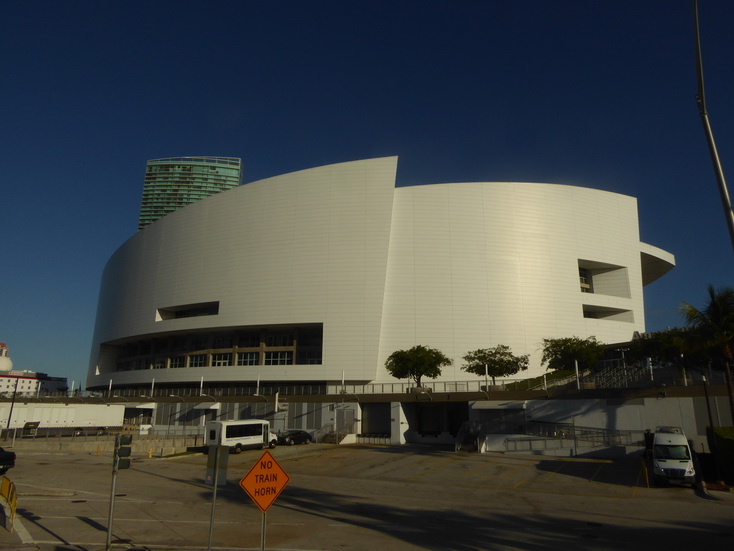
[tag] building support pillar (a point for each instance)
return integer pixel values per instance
(398, 423)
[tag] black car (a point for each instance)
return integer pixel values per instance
(291, 437)
(7, 461)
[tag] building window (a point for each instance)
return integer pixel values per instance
(197, 360)
(248, 340)
(242, 346)
(601, 278)
(221, 360)
(248, 358)
(187, 311)
(309, 357)
(279, 358)
(609, 314)
(222, 341)
(585, 280)
(279, 339)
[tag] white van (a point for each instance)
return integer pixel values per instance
(671, 457)
(238, 435)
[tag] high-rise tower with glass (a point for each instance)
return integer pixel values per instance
(175, 182)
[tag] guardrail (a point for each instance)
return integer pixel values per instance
(214, 392)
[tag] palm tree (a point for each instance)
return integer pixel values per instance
(713, 327)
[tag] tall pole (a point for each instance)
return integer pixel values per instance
(111, 512)
(701, 101)
(217, 450)
(262, 532)
(711, 435)
(12, 403)
(727, 374)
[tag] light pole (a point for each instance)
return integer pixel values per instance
(12, 404)
(711, 435)
(701, 101)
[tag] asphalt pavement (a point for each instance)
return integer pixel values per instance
(360, 498)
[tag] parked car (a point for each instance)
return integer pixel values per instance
(7, 460)
(291, 437)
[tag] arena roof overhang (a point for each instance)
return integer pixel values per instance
(655, 262)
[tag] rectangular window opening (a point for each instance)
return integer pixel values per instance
(187, 311)
(602, 278)
(609, 314)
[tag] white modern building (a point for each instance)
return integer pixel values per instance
(319, 275)
(25, 383)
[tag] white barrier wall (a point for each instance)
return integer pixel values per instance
(54, 416)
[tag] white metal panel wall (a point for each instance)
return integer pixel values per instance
(452, 266)
(473, 265)
(307, 247)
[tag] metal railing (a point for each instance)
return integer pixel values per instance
(538, 431)
(611, 376)
(209, 392)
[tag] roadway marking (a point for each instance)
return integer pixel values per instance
(445, 463)
(493, 461)
(547, 478)
(513, 471)
(27, 497)
(643, 469)
(96, 544)
(172, 521)
(596, 472)
(25, 536)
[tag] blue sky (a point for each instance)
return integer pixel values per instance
(597, 94)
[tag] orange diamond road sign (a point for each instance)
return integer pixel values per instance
(265, 481)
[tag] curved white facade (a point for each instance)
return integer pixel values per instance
(340, 252)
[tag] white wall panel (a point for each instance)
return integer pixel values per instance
(513, 251)
(453, 266)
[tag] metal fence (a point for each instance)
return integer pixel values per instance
(214, 392)
(539, 435)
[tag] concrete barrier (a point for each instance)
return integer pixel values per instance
(105, 444)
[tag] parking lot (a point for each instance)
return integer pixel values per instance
(360, 498)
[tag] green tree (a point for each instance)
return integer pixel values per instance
(662, 347)
(416, 363)
(561, 353)
(496, 362)
(713, 329)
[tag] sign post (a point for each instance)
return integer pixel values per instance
(120, 460)
(216, 475)
(263, 484)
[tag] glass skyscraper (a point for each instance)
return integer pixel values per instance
(175, 182)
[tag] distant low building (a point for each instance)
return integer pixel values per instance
(26, 383)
